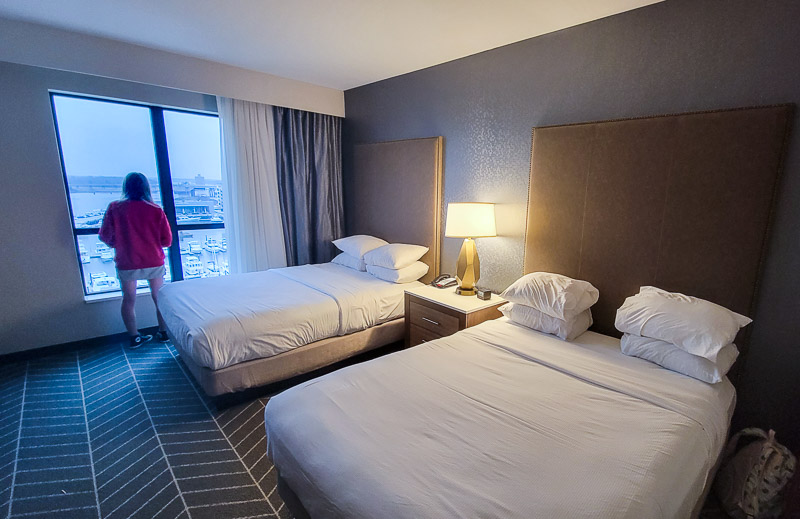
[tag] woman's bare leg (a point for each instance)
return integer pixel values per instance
(128, 304)
(155, 285)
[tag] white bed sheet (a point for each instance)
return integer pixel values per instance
(500, 421)
(226, 320)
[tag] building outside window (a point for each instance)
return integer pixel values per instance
(101, 141)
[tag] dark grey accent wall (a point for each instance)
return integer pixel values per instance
(675, 56)
(41, 298)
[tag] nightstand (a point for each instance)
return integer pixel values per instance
(433, 312)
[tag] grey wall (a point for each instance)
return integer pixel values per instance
(676, 56)
(43, 46)
(41, 298)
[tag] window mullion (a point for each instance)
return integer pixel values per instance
(165, 184)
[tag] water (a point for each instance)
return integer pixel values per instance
(85, 203)
(211, 263)
(201, 250)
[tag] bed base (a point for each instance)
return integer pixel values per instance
(291, 500)
(319, 354)
(297, 509)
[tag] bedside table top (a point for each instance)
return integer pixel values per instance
(448, 297)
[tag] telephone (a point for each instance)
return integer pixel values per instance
(444, 281)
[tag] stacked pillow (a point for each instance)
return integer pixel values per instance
(397, 262)
(669, 356)
(551, 303)
(353, 250)
(393, 262)
(681, 333)
(346, 260)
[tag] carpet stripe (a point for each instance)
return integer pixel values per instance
(161, 510)
(19, 439)
(88, 436)
(106, 432)
(163, 453)
(122, 445)
(154, 496)
(199, 395)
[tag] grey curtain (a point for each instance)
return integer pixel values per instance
(309, 159)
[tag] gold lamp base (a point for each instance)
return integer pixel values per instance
(468, 268)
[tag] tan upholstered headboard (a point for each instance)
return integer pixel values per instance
(682, 202)
(396, 190)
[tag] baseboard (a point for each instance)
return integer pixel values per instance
(69, 346)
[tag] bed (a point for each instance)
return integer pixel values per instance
(487, 422)
(502, 421)
(224, 321)
(247, 330)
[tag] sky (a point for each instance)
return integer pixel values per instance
(100, 138)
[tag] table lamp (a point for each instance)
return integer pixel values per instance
(469, 220)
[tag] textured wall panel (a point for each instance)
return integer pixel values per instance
(672, 57)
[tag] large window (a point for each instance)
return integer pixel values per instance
(101, 141)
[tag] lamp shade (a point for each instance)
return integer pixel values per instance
(470, 220)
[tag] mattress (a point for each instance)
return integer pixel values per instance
(222, 321)
(500, 421)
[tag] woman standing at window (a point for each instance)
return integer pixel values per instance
(138, 229)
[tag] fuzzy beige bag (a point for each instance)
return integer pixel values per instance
(749, 482)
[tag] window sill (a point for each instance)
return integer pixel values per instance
(110, 296)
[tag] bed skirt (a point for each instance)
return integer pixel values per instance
(297, 509)
(259, 372)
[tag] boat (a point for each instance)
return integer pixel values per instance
(102, 282)
(83, 223)
(99, 249)
(107, 255)
(212, 246)
(194, 247)
(192, 267)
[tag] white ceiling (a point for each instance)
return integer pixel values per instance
(335, 43)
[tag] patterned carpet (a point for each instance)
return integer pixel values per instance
(114, 433)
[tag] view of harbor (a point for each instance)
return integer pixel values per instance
(204, 252)
(101, 141)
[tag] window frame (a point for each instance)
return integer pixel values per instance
(163, 171)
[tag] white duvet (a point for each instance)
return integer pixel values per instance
(500, 421)
(226, 320)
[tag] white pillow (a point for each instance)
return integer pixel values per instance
(347, 260)
(694, 325)
(553, 294)
(358, 245)
(404, 275)
(533, 318)
(395, 255)
(673, 358)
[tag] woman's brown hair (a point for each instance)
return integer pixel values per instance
(136, 187)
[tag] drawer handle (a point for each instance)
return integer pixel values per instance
(430, 321)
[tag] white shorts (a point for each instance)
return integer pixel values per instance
(137, 274)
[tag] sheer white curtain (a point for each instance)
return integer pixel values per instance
(252, 206)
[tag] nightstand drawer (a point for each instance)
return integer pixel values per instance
(433, 320)
(418, 335)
